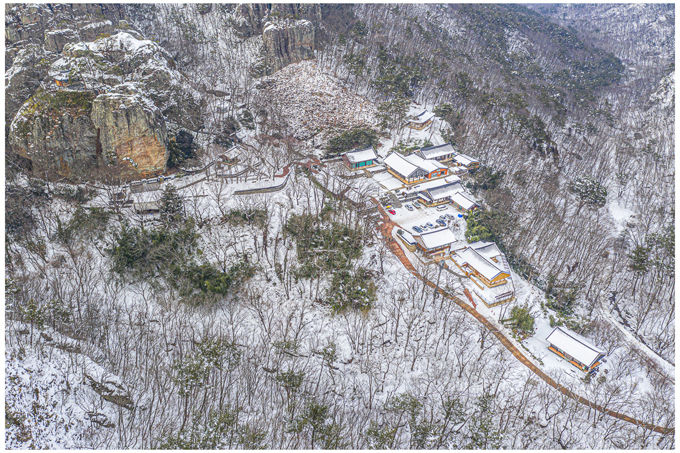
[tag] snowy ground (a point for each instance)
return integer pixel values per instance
(400, 345)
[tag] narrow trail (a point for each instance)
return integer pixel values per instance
(386, 230)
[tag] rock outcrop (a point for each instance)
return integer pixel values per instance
(286, 42)
(120, 92)
(131, 132)
(32, 22)
(253, 17)
(55, 40)
(70, 133)
(23, 78)
(54, 131)
(288, 32)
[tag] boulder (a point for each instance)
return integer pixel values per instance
(131, 131)
(54, 131)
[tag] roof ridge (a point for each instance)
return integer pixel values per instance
(589, 346)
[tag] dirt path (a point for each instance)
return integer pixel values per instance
(386, 230)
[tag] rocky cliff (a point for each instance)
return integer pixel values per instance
(54, 131)
(252, 18)
(287, 41)
(131, 132)
(137, 87)
(70, 133)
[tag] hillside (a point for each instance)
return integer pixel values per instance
(194, 261)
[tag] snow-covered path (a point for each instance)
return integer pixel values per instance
(386, 230)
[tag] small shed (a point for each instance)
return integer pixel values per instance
(360, 158)
(462, 203)
(146, 207)
(421, 120)
(62, 80)
(408, 239)
(575, 349)
(466, 161)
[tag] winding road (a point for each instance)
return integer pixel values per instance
(386, 230)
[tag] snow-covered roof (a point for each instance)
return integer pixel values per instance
(375, 169)
(452, 178)
(146, 206)
(423, 117)
(436, 239)
(399, 164)
(361, 155)
(447, 190)
(465, 160)
(432, 152)
(574, 345)
(407, 165)
(462, 201)
(487, 249)
(429, 165)
(476, 261)
(433, 184)
(407, 236)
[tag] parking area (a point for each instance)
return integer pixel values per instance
(419, 218)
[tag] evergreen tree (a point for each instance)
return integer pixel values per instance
(171, 206)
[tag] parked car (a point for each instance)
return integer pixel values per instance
(430, 225)
(441, 222)
(389, 206)
(392, 211)
(441, 207)
(417, 229)
(417, 205)
(409, 207)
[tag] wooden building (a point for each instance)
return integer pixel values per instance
(575, 349)
(440, 195)
(462, 203)
(466, 162)
(421, 120)
(413, 169)
(408, 239)
(472, 263)
(435, 244)
(487, 267)
(61, 80)
(146, 207)
(440, 153)
(361, 158)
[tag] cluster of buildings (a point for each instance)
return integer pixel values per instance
(430, 176)
(482, 262)
(429, 163)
